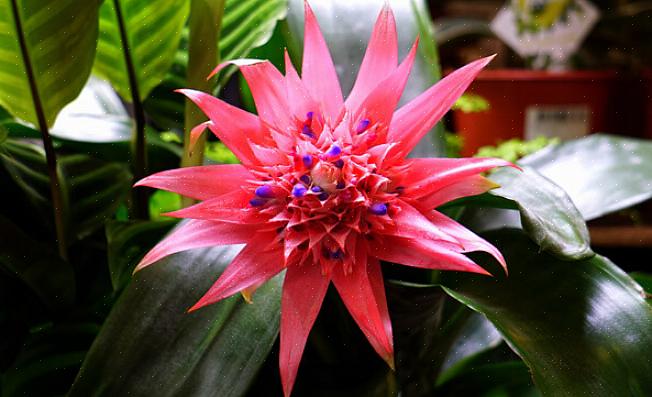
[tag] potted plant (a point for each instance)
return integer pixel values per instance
(546, 97)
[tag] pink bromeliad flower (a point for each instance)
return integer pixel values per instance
(325, 191)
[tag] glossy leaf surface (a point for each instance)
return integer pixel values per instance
(153, 30)
(150, 345)
(601, 173)
(60, 37)
(547, 213)
(581, 327)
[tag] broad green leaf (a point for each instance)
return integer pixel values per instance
(127, 243)
(59, 37)
(246, 24)
(347, 26)
(92, 189)
(37, 265)
(582, 328)
(96, 116)
(433, 334)
(600, 173)
(645, 281)
(150, 345)
(153, 30)
(547, 213)
(510, 378)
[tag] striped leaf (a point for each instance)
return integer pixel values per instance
(153, 31)
(247, 24)
(60, 37)
(92, 189)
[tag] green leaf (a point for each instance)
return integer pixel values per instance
(153, 30)
(92, 189)
(59, 37)
(600, 173)
(547, 213)
(645, 281)
(347, 26)
(37, 265)
(150, 345)
(127, 243)
(581, 327)
(246, 24)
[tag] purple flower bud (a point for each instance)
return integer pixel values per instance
(306, 130)
(334, 151)
(316, 189)
(362, 126)
(305, 179)
(337, 254)
(378, 209)
(257, 201)
(307, 160)
(299, 190)
(264, 191)
(339, 163)
(340, 185)
(323, 196)
(309, 115)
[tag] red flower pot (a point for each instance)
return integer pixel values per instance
(526, 103)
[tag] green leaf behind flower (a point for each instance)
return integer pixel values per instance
(582, 328)
(150, 345)
(60, 37)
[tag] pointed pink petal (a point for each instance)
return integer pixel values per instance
(252, 266)
(470, 241)
(380, 104)
(360, 293)
(197, 234)
(428, 175)
(231, 208)
(414, 120)
(380, 59)
(268, 88)
(202, 182)
(426, 254)
(234, 127)
(410, 223)
(299, 99)
(469, 186)
(317, 71)
(304, 289)
(196, 132)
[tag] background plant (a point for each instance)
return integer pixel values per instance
(73, 320)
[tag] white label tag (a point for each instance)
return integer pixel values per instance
(553, 28)
(563, 121)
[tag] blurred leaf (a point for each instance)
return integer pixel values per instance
(49, 359)
(127, 243)
(246, 24)
(600, 173)
(92, 189)
(60, 37)
(218, 152)
(150, 345)
(547, 213)
(581, 327)
(37, 265)
(504, 379)
(153, 31)
(96, 116)
(347, 26)
(161, 202)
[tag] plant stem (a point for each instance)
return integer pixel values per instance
(205, 24)
(138, 144)
(50, 155)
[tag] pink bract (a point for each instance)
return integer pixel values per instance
(325, 190)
